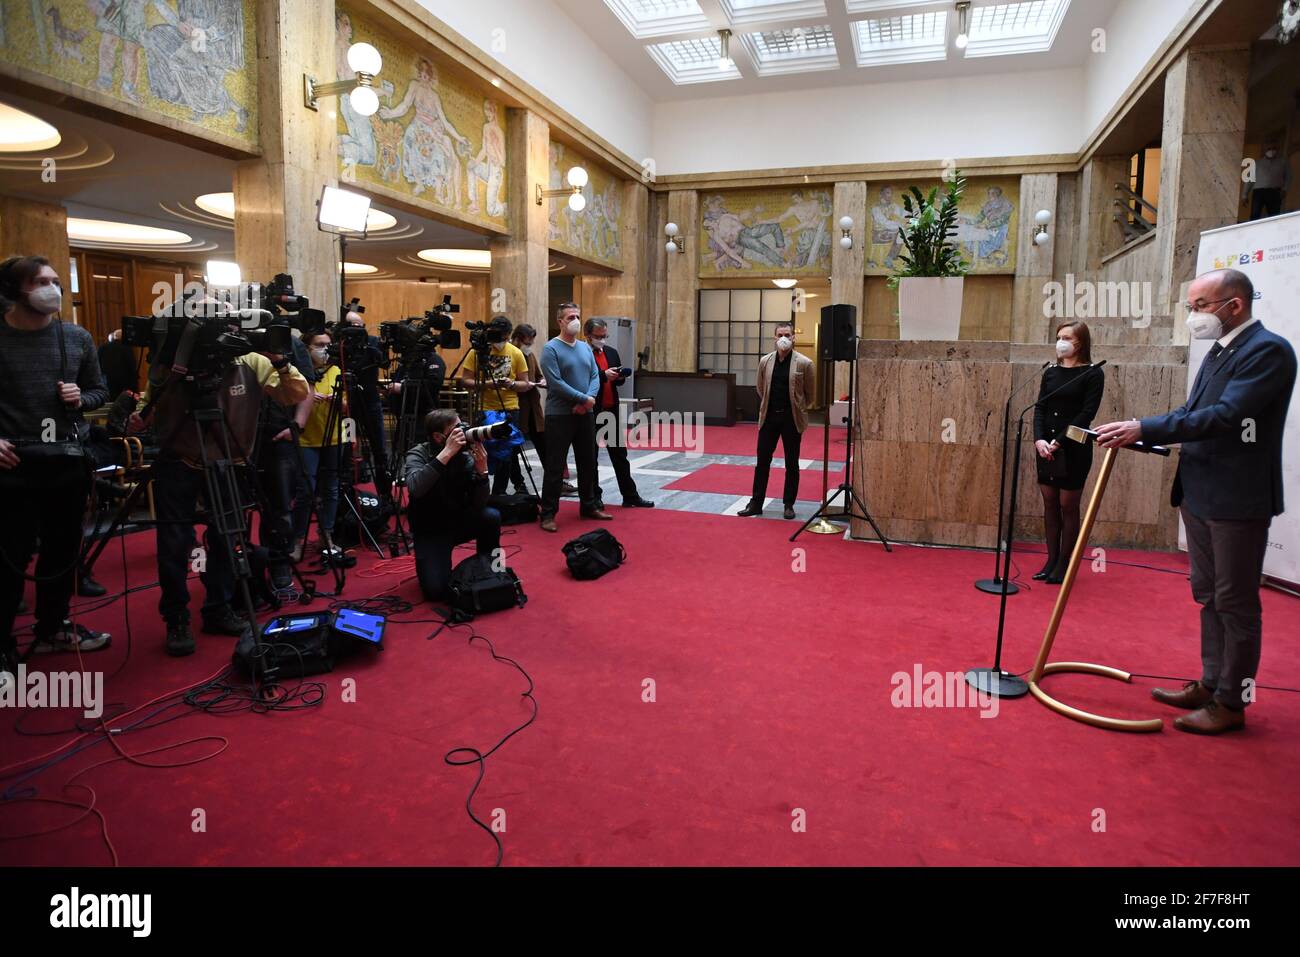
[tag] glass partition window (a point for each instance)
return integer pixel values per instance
(736, 328)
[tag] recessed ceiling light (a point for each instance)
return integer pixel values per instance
(785, 283)
(458, 258)
(223, 205)
(20, 132)
(103, 231)
(359, 269)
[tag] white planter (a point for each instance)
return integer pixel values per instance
(930, 308)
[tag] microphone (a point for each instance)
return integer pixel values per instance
(1064, 386)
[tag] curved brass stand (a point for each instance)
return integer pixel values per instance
(1042, 667)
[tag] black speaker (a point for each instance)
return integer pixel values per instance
(839, 330)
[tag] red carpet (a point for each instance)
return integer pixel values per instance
(738, 480)
(742, 439)
(772, 693)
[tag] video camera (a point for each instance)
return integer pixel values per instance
(484, 335)
(204, 331)
(411, 337)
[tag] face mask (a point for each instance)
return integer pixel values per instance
(573, 327)
(319, 355)
(598, 344)
(1271, 154)
(1064, 348)
(1204, 325)
(785, 343)
(46, 300)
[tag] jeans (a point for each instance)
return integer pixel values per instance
(563, 431)
(177, 489)
(778, 425)
(321, 476)
(433, 549)
(47, 501)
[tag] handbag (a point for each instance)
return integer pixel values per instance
(475, 588)
(593, 554)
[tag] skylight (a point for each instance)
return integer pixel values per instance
(793, 50)
(692, 61)
(1027, 26)
(910, 38)
(655, 18)
(743, 12)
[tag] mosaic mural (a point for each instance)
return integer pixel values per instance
(191, 60)
(988, 220)
(781, 232)
(595, 233)
(434, 139)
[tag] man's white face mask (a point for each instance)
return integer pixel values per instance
(1206, 325)
(573, 327)
(785, 343)
(46, 300)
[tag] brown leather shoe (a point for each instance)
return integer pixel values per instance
(1214, 718)
(548, 525)
(599, 514)
(1194, 695)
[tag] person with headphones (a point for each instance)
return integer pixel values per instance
(49, 375)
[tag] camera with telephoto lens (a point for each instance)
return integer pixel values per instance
(481, 433)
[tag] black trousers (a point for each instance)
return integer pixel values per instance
(278, 473)
(43, 500)
(372, 412)
(777, 425)
(177, 489)
(433, 549)
(1265, 203)
(617, 457)
(1227, 560)
(563, 431)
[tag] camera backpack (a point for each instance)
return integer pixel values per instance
(593, 554)
(475, 588)
(516, 509)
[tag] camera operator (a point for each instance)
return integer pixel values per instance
(279, 472)
(505, 377)
(49, 374)
(367, 402)
(179, 482)
(321, 456)
(432, 370)
(446, 478)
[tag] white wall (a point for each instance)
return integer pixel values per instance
(547, 49)
(987, 116)
(1135, 31)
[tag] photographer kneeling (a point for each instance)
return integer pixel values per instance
(446, 478)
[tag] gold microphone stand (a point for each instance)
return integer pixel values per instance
(1042, 667)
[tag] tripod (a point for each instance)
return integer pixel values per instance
(518, 456)
(845, 489)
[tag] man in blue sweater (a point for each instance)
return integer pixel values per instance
(572, 382)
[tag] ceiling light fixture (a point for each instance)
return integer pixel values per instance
(104, 231)
(223, 205)
(724, 51)
(476, 259)
(785, 283)
(21, 132)
(365, 62)
(359, 269)
(963, 24)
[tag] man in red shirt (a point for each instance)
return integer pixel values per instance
(608, 363)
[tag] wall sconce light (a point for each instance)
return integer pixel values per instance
(846, 235)
(1042, 218)
(675, 244)
(724, 51)
(577, 179)
(365, 61)
(963, 24)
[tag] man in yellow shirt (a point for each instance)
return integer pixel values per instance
(505, 376)
(321, 453)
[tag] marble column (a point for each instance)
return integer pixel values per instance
(848, 278)
(678, 335)
(655, 333)
(1200, 159)
(518, 282)
(1034, 264)
(276, 194)
(31, 228)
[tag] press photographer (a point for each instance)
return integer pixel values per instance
(446, 478)
(49, 375)
(205, 359)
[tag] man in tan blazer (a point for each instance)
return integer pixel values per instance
(785, 390)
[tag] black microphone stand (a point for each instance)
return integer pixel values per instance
(995, 681)
(993, 586)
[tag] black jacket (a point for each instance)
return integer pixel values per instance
(1231, 430)
(615, 362)
(442, 496)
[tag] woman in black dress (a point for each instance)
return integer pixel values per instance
(1063, 465)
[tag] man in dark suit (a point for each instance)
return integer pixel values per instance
(609, 364)
(1228, 486)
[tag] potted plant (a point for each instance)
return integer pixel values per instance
(930, 271)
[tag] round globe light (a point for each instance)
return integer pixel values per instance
(364, 58)
(846, 222)
(1042, 239)
(577, 177)
(670, 246)
(1043, 217)
(364, 101)
(577, 202)
(846, 242)
(962, 40)
(670, 229)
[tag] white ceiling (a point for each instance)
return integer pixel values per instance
(1071, 49)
